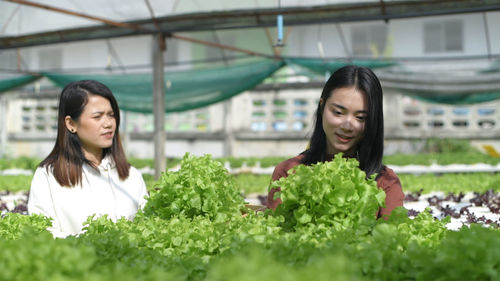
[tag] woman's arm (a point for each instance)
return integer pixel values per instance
(40, 198)
(143, 195)
(394, 195)
(40, 201)
(139, 187)
(280, 171)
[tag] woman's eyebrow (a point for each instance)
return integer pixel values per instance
(343, 108)
(102, 111)
(338, 105)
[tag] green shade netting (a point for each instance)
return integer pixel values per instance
(10, 83)
(197, 88)
(453, 99)
(321, 66)
(452, 89)
(185, 90)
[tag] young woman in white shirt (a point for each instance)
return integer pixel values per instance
(87, 172)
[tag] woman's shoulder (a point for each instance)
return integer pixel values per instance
(135, 176)
(43, 170)
(387, 177)
(43, 176)
(133, 171)
(388, 172)
(281, 170)
(292, 162)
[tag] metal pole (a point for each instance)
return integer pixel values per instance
(487, 35)
(344, 42)
(159, 105)
(125, 132)
(3, 125)
(228, 130)
(228, 139)
(269, 39)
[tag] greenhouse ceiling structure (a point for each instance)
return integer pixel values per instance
(28, 23)
(36, 23)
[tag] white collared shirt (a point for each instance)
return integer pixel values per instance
(101, 193)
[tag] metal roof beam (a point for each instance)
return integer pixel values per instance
(81, 15)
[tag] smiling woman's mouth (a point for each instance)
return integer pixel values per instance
(342, 138)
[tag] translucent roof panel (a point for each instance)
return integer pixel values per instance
(19, 19)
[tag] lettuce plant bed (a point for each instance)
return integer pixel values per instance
(462, 208)
(441, 169)
(197, 226)
(14, 202)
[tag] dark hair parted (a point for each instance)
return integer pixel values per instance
(370, 148)
(67, 158)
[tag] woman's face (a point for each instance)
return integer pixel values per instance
(96, 126)
(343, 118)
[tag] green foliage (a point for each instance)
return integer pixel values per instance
(445, 158)
(147, 162)
(201, 187)
(13, 225)
(440, 145)
(271, 161)
(35, 255)
(335, 194)
(264, 162)
(395, 253)
(456, 183)
(15, 183)
(270, 264)
(25, 163)
(234, 162)
(181, 245)
(424, 229)
(150, 181)
(251, 183)
(237, 162)
(123, 242)
(466, 254)
(324, 229)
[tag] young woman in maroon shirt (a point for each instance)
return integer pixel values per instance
(349, 119)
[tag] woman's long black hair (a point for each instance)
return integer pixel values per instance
(370, 149)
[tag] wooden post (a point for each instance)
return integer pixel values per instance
(159, 104)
